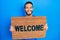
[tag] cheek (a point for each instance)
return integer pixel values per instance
(31, 9)
(26, 10)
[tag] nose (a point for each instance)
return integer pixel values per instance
(29, 10)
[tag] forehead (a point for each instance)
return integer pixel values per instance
(29, 5)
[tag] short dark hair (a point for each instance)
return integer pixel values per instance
(28, 3)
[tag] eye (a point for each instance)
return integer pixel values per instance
(30, 7)
(26, 7)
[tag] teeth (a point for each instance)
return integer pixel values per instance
(29, 28)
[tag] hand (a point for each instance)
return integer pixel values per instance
(45, 27)
(12, 29)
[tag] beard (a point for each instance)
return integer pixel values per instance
(29, 14)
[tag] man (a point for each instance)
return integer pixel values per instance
(28, 9)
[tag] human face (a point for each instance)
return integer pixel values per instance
(28, 9)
